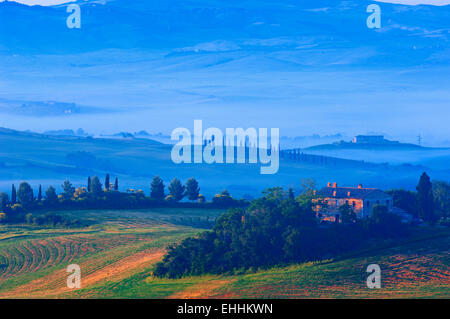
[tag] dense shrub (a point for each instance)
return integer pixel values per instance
(275, 229)
(51, 219)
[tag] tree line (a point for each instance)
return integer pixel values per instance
(96, 195)
(280, 228)
(430, 202)
(276, 229)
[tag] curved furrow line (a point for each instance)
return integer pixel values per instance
(17, 260)
(75, 253)
(10, 262)
(67, 251)
(4, 263)
(34, 261)
(41, 255)
(53, 253)
(28, 258)
(60, 250)
(47, 254)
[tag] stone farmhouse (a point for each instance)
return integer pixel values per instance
(330, 198)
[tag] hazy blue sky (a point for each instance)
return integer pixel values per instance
(298, 68)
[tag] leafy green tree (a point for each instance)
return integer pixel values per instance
(425, 201)
(347, 214)
(51, 199)
(405, 200)
(273, 230)
(68, 189)
(157, 188)
(13, 194)
(96, 186)
(225, 193)
(4, 201)
(192, 189)
(25, 195)
(223, 199)
(291, 194)
(441, 194)
(378, 212)
(116, 184)
(176, 189)
(107, 182)
(308, 186)
(384, 224)
(39, 198)
(201, 199)
(274, 194)
(89, 184)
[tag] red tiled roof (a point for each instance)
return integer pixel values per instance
(348, 192)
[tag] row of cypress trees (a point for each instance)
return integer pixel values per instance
(25, 196)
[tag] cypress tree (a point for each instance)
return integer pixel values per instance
(39, 198)
(192, 189)
(291, 194)
(25, 195)
(116, 184)
(157, 188)
(51, 198)
(425, 199)
(89, 184)
(107, 182)
(4, 200)
(176, 189)
(13, 195)
(68, 189)
(96, 186)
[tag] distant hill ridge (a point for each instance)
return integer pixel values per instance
(371, 145)
(242, 25)
(366, 146)
(42, 159)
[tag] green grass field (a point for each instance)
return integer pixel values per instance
(118, 252)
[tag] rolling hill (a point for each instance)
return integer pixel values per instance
(239, 25)
(50, 159)
(398, 153)
(302, 66)
(117, 255)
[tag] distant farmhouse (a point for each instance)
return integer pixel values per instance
(329, 199)
(372, 139)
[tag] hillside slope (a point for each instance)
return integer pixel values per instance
(155, 25)
(49, 160)
(416, 268)
(305, 67)
(117, 255)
